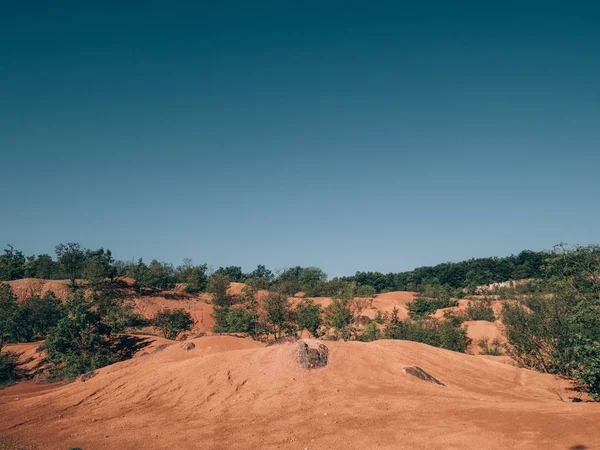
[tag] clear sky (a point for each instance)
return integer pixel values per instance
(342, 134)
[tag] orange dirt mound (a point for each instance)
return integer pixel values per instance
(29, 287)
(390, 300)
(230, 393)
(236, 288)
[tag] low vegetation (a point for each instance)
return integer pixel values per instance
(173, 322)
(480, 310)
(559, 332)
(551, 320)
(422, 307)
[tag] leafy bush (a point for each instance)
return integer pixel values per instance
(370, 333)
(173, 322)
(8, 311)
(241, 317)
(438, 333)
(308, 316)
(421, 306)
(80, 342)
(480, 310)
(35, 317)
(365, 291)
(8, 374)
(279, 317)
(240, 320)
(342, 315)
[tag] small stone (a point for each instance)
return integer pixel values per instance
(416, 371)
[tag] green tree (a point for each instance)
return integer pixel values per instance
(159, 276)
(139, 272)
(112, 300)
(98, 266)
(279, 318)
(365, 291)
(343, 314)
(260, 278)
(8, 312)
(308, 316)
(193, 276)
(36, 316)
(288, 280)
(173, 322)
(338, 316)
(421, 307)
(234, 273)
(311, 280)
(71, 259)
(218, 284)
(80, 342)
(12, 264)
(43, 267)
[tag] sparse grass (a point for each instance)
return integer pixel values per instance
(494, 348)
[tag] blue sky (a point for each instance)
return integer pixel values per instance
(346, 135)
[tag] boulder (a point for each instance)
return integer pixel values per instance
(311, 354)
(187, 346)
(416, 371)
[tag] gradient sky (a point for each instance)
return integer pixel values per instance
(346, 135)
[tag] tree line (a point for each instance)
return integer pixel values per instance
(75, 262)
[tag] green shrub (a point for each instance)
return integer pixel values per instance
(370, 333)
(438, 333)
(308, 316)
(380, 317)
(240, 320)
(173, 322)
(80, 342)
(35, 317)
(8, 311)
(8, 374)
(480, 310)
(422, 307)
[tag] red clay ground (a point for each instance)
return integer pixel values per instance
(231, 393)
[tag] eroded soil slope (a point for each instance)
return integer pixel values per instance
(230, 392)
